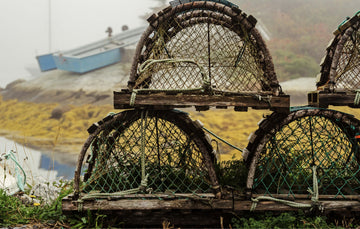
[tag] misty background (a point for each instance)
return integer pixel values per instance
(299, 30)
(24, 26)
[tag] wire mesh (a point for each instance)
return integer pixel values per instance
(150, 143)
(340, 67)
(216, 38)
(348, 68)
(286, 159)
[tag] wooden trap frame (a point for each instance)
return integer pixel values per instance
(203, 54)
(311, 155)
(338, 81)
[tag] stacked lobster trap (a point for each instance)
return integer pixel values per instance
(338, 82)
(202, 54)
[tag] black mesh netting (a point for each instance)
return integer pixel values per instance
(162, 146)
(304, 139)
(348, 68)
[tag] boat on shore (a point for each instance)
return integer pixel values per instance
(91, 56)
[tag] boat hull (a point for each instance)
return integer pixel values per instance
(46, 62)
(87, 63)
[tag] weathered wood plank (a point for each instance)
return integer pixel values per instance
(321, 99)
(122, 101)
(192, 212)
(199, 204)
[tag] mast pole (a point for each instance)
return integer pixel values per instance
(49, 25)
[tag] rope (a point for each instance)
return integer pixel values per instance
(314, 198)
(143, 130)
(142, 186)
(357, 97)
(80, 205)
(206, 80)
(241, 53)
(216, 136)
(146, 65)
(20, 181)
(286, 202)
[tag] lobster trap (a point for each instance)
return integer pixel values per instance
(148, 152)
(203, 54)
(146, 161)
(338, 81)
(310, 153)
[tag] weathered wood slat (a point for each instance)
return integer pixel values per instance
(154, 196)
(122, 101)
(322, 99)
(199, 204)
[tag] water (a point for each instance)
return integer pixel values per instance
(36, 163)
(63, 170)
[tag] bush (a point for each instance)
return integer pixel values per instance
(291, 66)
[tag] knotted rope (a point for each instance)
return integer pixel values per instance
(224, 141)
(357, 97)
(314, 198)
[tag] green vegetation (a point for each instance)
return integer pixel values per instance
(291, 66)
(232, 173)
(14, 212)
(284, 220)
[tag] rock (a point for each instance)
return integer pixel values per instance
(46, 191)
(14, 83)
(58, 111)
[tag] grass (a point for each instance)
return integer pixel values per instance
(31, 124)
(283, 220)
(15, 213)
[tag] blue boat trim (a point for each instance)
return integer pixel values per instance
(46, 62)
(98, 54)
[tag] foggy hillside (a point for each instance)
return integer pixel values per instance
(300, 30)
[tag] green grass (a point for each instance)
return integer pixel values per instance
(294, 220)
(15, 213)
(284, 220)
